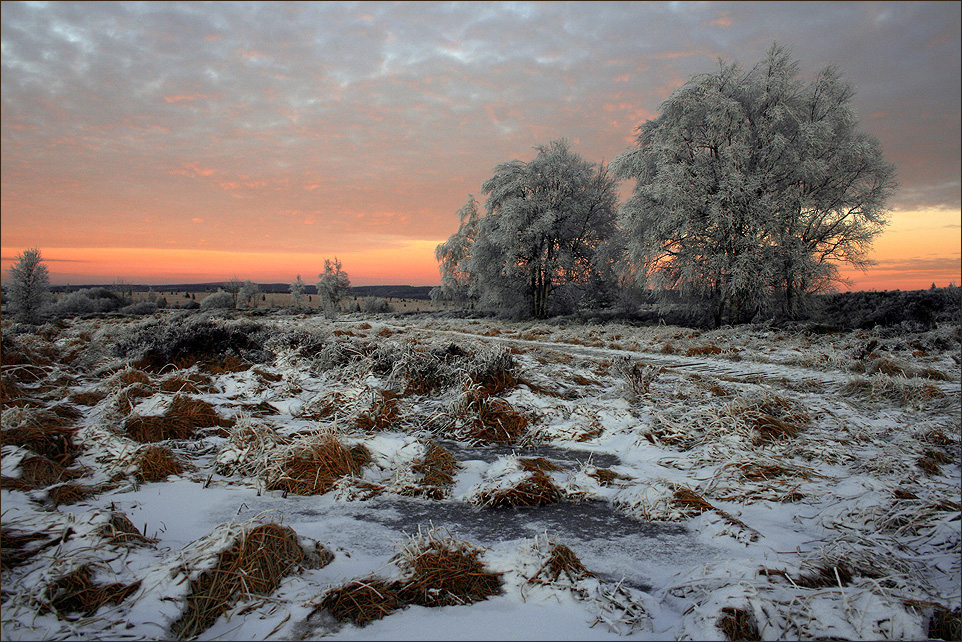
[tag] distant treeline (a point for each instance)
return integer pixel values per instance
(380, 291)
(841, 311)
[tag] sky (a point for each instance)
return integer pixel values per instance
(185, 142)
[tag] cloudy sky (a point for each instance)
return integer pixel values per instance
(172, 142)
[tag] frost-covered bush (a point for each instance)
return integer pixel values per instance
(186, 338)
(219, 300)
(376, 306)
(87, 301)
(140, 308)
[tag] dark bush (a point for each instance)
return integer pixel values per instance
(185, 339)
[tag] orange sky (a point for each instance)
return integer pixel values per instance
(172, 143)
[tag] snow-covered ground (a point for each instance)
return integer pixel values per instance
(803, 484)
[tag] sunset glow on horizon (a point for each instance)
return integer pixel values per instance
(166, 143)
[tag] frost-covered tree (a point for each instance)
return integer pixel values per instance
(29, 288)
(453, 255)
(124, 290)
(297, 292)
(548, 241)
(248, 292)
(233, 286)
(752, 186)
(333, 285)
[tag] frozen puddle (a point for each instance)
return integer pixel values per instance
(564, 457)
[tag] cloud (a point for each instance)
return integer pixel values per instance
(114, 113)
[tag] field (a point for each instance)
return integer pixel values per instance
(425, 477)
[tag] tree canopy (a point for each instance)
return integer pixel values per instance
(752, 186)
(544, 243)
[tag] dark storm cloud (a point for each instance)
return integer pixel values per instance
(373, 116)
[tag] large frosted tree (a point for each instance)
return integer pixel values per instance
(547, 240)
(751, 188)
(29, 286)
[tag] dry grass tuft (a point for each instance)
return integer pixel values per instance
(254, 564)
(536, 489)
(228, 365)
(38, 472)
(121, 531)
(738, 624)
(945, 624)
(155, 428)
(561, 559)
(442, 571)
(931, 461)
(536, 464)
(690, 502)
(496, 421)
(131, 376)
(17, 549)
(71, 492)
(76, 592)
(313, 468)
(774, 419)
(11, 394)
(637, 376)
(437, 471)
(184, 416)
(605, 476)
(193, 384)
(493, 372)
(156, 463)
(699, 351)
(51, 441)
(382, 414)
(89, 398)
(196, 412)
(362, 601)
